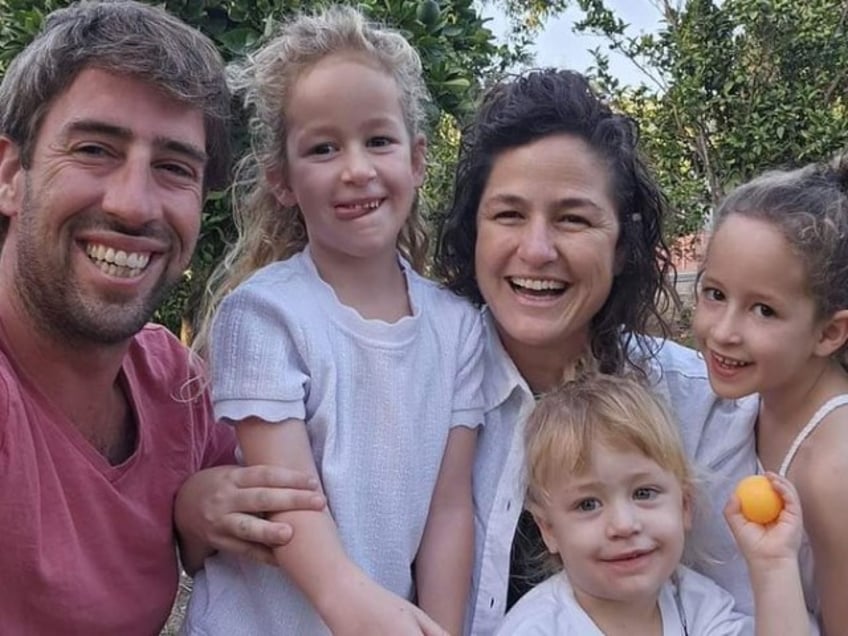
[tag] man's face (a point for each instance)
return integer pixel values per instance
(106, 218)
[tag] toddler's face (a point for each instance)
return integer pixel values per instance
(618, 527)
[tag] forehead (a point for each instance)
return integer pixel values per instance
(123, 102)
(612, 462)
(558, 166)
(341, 87)
(754, 253)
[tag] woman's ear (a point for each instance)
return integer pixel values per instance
(833, 335)
(279, 187)
(11, 178)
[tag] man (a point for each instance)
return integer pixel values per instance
(114, 125)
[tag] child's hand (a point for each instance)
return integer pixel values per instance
(373, 610)
(777, 540)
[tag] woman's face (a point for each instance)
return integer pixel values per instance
(545, 258)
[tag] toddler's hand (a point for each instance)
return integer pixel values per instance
(777, 540)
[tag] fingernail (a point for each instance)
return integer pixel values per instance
(313, 482)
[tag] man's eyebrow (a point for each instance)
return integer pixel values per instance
(123, 133)
(183, 148)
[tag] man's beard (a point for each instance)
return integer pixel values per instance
(56, 303)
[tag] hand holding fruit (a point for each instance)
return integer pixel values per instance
(764, 515)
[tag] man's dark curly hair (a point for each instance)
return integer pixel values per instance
(524, 109)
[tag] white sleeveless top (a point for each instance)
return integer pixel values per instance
(805, 553)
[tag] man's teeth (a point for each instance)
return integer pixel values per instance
(537, 284)
(117, 262)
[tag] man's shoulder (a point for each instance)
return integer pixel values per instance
(157, 354)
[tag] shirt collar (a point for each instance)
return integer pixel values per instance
(502, 376)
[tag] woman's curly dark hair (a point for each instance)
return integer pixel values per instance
(528, 107)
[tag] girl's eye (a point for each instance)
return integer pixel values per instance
(711, 293)
(321, 149)
(764, 311)
(379, 142)
(588, 505)
(646, 493)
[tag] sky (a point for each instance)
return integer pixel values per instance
(559, 46)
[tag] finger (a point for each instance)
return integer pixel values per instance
(253, 551)
(271, 500)
(784, 487)
(428, 626)
(273, 477)
(252, 529)
(787, 492)
(733, 515)
(733, 506)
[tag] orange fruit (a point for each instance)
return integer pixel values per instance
(760, 501)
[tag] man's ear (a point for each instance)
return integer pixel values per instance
(834, 333)
(419, 159)
(279, 187)
(11, 177)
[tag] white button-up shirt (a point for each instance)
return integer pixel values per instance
(717, 434)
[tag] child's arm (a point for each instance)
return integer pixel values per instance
(771, 552)
(347, 600)
(443, 563)
(826, 518)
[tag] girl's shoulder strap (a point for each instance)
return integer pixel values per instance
(824, 410)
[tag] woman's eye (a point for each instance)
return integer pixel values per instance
(645, 493)
(506, 215)
(573, 219)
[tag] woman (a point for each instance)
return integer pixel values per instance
(556, 230)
